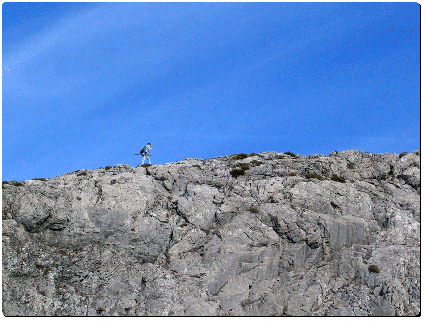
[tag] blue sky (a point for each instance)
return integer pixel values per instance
(86, 85)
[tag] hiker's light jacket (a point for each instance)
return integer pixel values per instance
(145, 151)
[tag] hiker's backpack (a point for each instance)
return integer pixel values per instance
(144, 151)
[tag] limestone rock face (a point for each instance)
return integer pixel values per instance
(292, 235)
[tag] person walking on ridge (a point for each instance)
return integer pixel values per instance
(145, 153)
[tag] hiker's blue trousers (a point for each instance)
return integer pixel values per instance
(144, 158)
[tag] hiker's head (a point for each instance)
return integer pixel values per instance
(149, 145)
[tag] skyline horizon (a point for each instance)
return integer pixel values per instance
(89, 84)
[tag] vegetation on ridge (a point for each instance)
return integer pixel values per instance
(237, 172)
(317, 176)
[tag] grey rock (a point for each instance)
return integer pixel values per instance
(188, 239)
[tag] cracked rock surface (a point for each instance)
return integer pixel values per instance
(291, 235)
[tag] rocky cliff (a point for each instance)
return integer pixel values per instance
(260, 234)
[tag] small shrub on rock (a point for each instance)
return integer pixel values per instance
(39, 179)
(403, 154)
(240, 156)
(146, 165)
(237, 172)
(254, 210)
(100, 310)
(290, 154)
(350, 166)
(317, 176)
(373, 268)
(108, 167)
(256, 162)
(292, 174)
(243, 166)
(337, 178)
(82, 174)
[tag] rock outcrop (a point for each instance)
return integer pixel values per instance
(254, 235)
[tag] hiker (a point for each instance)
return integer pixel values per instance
(145, 153)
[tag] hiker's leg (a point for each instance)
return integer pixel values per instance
(143, 159)
(149, 159)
